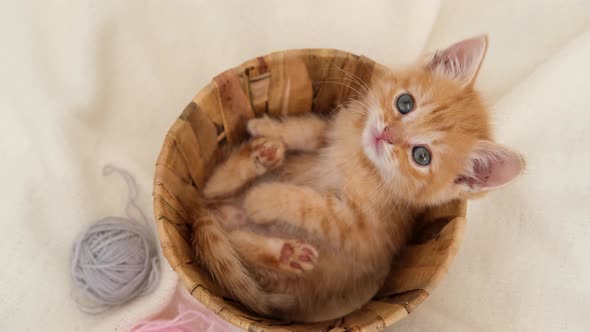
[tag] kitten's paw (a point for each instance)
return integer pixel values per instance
(297, 256)
(267, 153)
(264, 126)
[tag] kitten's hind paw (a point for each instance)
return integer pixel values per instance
(267, 153)
(297, 256)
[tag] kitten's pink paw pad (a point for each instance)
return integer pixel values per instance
(297, 256)
(268, 153)
(261, 127)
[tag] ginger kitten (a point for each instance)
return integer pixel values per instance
(314, 210)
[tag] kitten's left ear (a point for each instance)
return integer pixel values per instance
(490, 166)
(460, 61)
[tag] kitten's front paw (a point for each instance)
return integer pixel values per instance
(267, 153)
(264, 126)
(297, 256)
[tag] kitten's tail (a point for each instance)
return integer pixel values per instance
(223, 263)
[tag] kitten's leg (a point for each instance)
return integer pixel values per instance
(324, 216)
(303, 133)
(251, 160)
(281, 255)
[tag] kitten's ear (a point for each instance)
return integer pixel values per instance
(490, 166)
(461, 61)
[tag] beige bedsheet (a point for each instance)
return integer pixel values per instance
(84, 83)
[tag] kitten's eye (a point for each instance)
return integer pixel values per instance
(421, 155)
(405, 103)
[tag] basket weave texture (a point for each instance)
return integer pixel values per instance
(281, 83)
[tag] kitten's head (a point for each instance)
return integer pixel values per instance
(428, 133)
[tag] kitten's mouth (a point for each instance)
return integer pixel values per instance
(377, 142)
(373, 141)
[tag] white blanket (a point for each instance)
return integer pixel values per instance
(85, 83)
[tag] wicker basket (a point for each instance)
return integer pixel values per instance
(289, 82)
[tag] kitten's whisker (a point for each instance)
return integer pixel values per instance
(354, 100)
(360, 95)
(358, 110)
(354, 76)
(364, 87)
(346, 85)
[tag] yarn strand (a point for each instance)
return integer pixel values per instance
(132, 192)
(116, 259)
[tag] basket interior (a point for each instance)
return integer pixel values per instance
(281, 83)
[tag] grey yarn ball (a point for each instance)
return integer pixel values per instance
(116, 259)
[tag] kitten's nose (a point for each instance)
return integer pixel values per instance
(392, 135)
